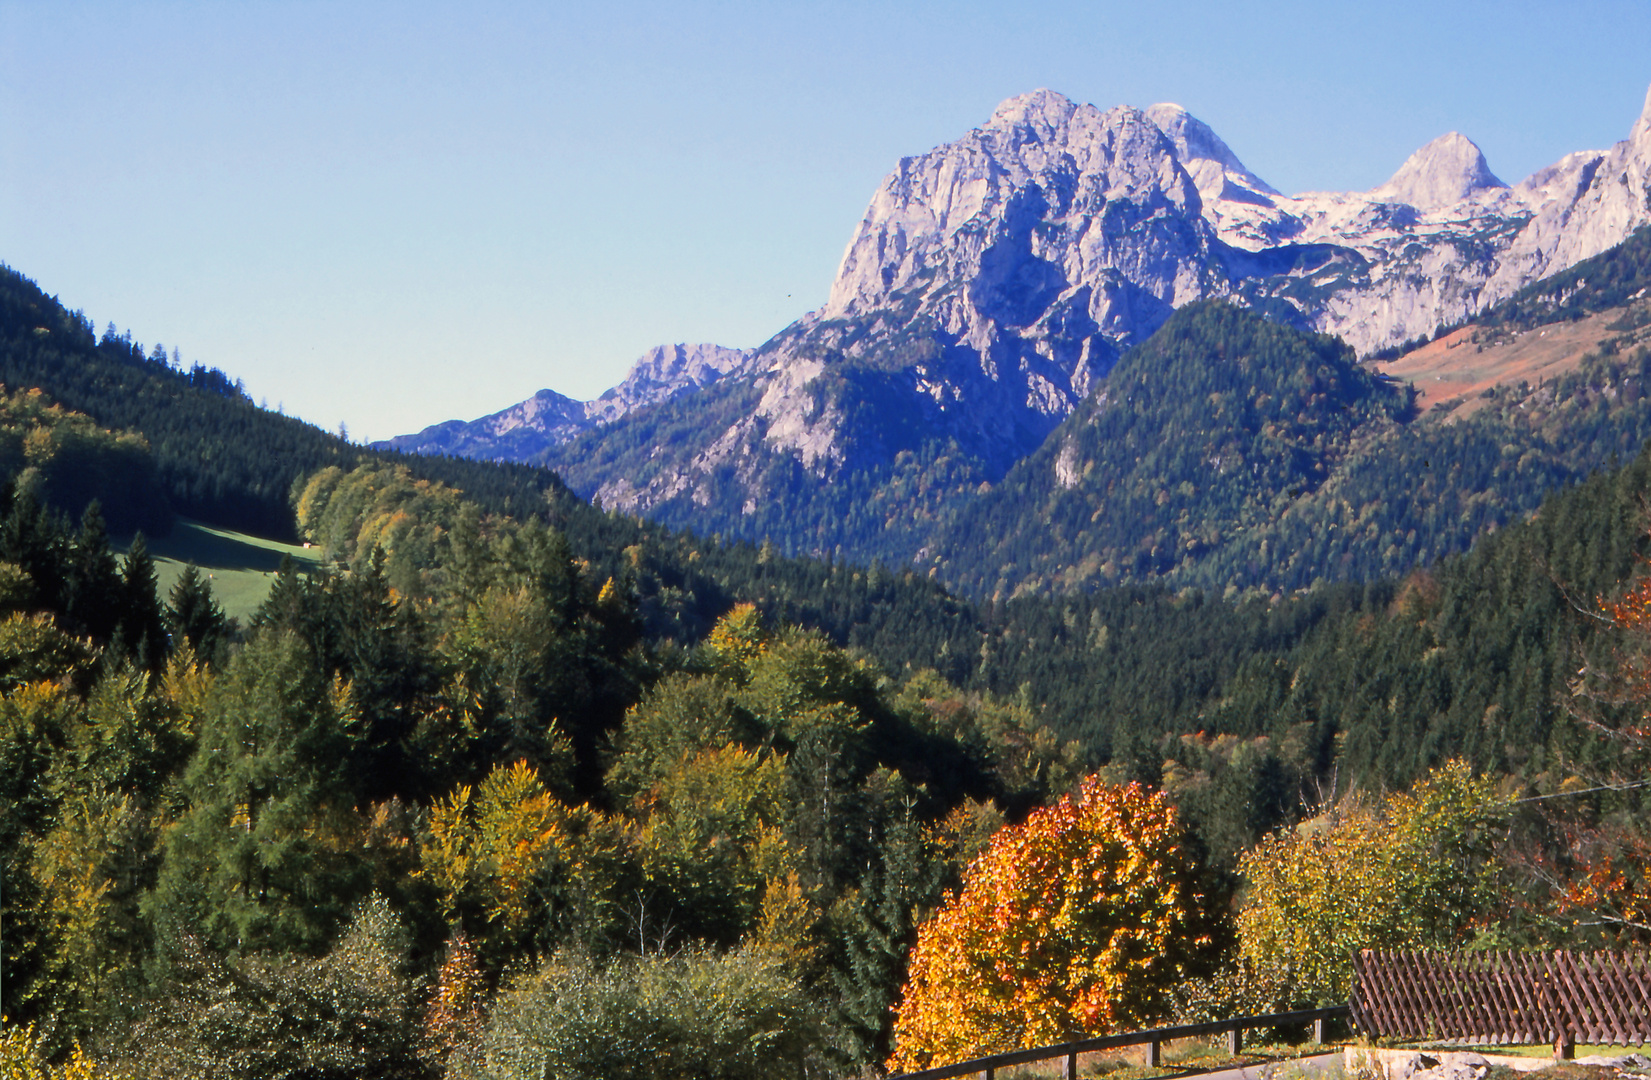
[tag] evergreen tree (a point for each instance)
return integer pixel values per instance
(193, 615)
(142, 628)
(32, 539)
(250, 864)
(92, 587)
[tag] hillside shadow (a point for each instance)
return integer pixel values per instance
(219, 549)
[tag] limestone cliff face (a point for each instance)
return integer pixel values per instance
(1584, 204)
(993, 281)
(1054, 220)
(989, 284)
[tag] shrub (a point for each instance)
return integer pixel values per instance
(349, 1014)
(1413, 872)
(692, 1015)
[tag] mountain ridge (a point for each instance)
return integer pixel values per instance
(994, 281)
(524, 429)
(1246, 213)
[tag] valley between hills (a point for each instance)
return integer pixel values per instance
(1133, 590)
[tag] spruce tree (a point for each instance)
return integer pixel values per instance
(30, 537)
(194, 615)
(92, 587)
(142, 627)
(251, 865)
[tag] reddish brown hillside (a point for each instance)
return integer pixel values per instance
(1458, 366)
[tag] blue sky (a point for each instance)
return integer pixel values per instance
(391, 214)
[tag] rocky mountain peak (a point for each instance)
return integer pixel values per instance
(663, 372)
(1040, 108)
(1442, 173)
(1213, 166)
(1026, 184)
(1584, 203)
(993, 282)
(1642, 126)
(548, 418)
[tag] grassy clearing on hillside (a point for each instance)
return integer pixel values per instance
(1462, 365)
(240, 567)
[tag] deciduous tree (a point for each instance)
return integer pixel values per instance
(1077, 921)
(1414, 871)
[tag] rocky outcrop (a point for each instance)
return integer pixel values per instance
(1584, 204)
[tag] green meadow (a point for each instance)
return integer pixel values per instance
(240, 567)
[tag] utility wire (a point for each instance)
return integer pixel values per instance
(1584, 791)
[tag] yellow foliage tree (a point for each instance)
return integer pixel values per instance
(23, 1057)
(1413, 871)
(1077, 921)
(738, 637)
(709, 838)
(486, 845)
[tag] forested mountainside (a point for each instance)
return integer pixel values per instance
(1373, 682)
(1066, 654)
(1230, 454)
(218, 456)
(64, 459)
(532, 776)
(1102, 666)
(495, 768)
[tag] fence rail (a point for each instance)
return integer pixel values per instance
(1153, 1039)
(1498, 998)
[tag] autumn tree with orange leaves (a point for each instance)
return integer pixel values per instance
(1077, 921)
(1598, 872)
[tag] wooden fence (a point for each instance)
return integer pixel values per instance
(1153, 1039)
(1498, 998)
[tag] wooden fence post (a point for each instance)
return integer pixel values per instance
(1318, 1030)
(1070, 1071)
(1155, 1056)
(1235, 1040)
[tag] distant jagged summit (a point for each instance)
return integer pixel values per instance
(1042, 107)
(1584, 203)
(1025, 216)
(1441, 174)
(546, 419)
(663, 372)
